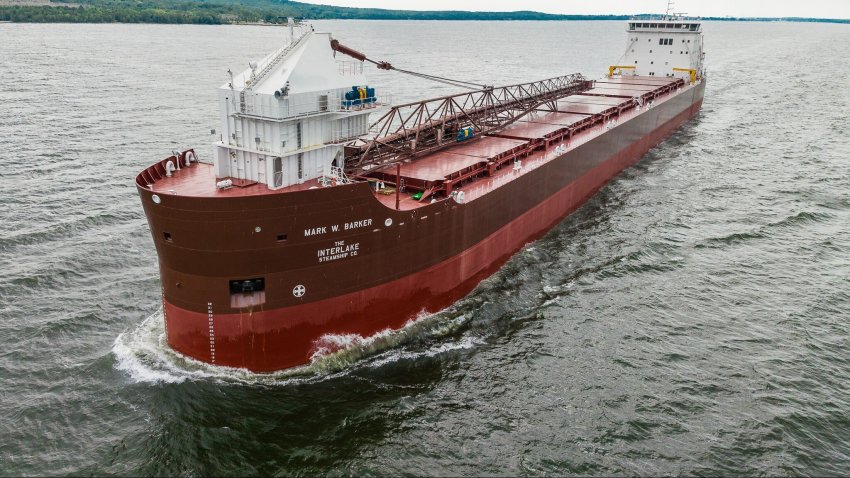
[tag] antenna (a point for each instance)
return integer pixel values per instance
(669, 8)
(291, 22)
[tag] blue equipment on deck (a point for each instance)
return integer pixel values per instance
(464, 133)
(359, 95)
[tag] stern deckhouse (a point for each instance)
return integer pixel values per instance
(669, 46)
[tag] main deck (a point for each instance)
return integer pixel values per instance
(474, 167)
(468, 169)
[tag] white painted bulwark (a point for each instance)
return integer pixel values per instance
(283, 121)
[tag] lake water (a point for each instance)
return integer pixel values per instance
(692, 318)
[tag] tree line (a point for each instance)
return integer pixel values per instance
(212, 12)
(222, 11)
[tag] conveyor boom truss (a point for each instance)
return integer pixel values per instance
(419, 128)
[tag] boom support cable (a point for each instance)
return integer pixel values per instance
(383, 65)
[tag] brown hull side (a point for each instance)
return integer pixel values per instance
(437, 256)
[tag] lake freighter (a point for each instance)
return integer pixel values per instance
(311, 222)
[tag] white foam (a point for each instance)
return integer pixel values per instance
(143, 354)
(391, 357)
(337, 351)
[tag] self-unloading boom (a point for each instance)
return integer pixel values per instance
(419, 128)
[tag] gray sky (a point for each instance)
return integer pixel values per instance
(705, 8)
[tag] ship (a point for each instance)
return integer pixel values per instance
(325, 210)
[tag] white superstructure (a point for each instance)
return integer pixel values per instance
(667, 46)
(284, 119)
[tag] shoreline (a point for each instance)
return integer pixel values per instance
(254, 24)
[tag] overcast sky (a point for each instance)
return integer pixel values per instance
(705, 8)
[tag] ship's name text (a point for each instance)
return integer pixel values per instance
(340, 250)
(317, 231)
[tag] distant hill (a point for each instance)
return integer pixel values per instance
(255, 11)
(236, 11)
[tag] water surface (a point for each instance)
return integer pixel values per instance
(690, 319)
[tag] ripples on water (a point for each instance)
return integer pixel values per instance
(691, 318)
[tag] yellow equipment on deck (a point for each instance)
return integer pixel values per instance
(618, 67)
(692, 71)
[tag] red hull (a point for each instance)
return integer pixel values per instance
(278, 338)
